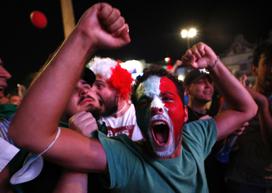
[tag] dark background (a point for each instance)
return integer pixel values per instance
(154, 29)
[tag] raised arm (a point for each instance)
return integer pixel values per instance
(35, 124)
(243, 106)
(264, 114)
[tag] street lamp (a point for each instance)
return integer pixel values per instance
(188, 34)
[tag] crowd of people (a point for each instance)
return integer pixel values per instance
(85, 126)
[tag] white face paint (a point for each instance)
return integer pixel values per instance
(151, 87)
(152, 90)
(156, 103)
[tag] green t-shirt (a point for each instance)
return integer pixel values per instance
(130, 170)
(7, 110)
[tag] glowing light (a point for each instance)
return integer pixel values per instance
(167, 59)
(188, 33)
(181, 77)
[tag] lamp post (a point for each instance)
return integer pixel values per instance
(188, 34)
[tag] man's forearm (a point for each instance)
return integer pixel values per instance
(71, 182)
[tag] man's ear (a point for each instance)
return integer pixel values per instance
(185, 114)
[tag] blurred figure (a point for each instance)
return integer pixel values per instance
(15, 99)
(250, 166)
(17, 96)
(174, 68)
(4, 76)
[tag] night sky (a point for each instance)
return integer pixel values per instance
(154, 29)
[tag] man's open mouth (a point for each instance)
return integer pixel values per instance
(160, 132)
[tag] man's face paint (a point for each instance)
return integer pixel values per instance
(160, 114)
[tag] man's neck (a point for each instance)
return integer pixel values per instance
(123, 106)
(147, 149)
(198, 107)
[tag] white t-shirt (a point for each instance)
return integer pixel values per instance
(126, 124)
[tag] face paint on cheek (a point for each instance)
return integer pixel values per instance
(178, 122)
(175, 107)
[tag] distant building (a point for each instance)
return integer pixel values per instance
(239, 56)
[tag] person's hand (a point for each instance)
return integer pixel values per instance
(200, 56)
(177, 64)
(241, 130)
(243, 80)
(83, 122)
(104, 27)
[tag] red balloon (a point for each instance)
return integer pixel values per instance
(38, 19)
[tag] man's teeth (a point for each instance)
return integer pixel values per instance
(159, 123)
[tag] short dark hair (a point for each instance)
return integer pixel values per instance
(157, 71)
(263, 48)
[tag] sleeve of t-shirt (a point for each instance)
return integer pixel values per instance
(200, 136)
(120, 160)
